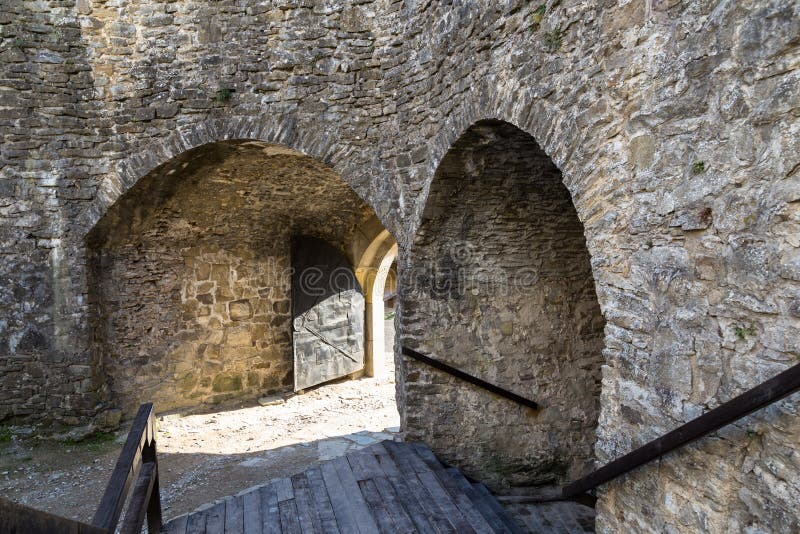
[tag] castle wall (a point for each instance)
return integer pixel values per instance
(673, 123)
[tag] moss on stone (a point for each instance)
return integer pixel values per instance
(227, 382)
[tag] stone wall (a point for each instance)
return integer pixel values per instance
(498, 284)
(190, 281)
(674, 123)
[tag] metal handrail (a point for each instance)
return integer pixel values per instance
(766, 393)
(437, 364)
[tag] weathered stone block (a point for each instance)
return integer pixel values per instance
(225, 382)
(240, 310)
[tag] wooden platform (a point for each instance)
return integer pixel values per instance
(386, 488)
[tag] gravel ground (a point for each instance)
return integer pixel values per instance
(204, 456)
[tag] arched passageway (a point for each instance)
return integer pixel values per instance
(498, 283)
(191, 277)
(377, 273)
(383, 291)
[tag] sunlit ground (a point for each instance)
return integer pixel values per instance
(206, 456)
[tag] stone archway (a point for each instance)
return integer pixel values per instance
(378, 311)
(498, 282)
(372, 272)
(190, 278)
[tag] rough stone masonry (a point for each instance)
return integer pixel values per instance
(674, 125)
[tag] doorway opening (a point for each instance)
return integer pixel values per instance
(502, 289)
(377, 273)
(192, 294)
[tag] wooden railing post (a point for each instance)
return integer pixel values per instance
(138, 466)
(154, 520)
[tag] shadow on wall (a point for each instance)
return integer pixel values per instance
(499, 284)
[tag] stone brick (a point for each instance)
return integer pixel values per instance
(240, 310)
(224, 382)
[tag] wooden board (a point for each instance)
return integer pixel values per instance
(391, 488)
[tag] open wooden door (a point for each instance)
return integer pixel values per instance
(327, 314)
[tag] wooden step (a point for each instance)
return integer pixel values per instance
(561, 516)
(386, 488)
(508, 521)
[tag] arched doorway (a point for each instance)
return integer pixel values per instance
(191, 273)
(383, 290)
(498, 283)
(376, 272)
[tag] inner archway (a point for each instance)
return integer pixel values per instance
(383, 289)
(498, 283)
(377, 273)
(191, 274)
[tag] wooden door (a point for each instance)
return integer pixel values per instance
(327, 314)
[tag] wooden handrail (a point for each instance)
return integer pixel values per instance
(137, 461)
(139, 450)
(17, 518)
(510, 395)
(773, 390)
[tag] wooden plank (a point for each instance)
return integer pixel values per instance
(251, 512)
(340, 501)
(215, 518)
(177, 525)
(283, 487)
(125, 470)
(497, 390)
(431, 482)
(356, 466)
(402, 521)
(322, 502)
(290, 523)
(535, 522)
(234, 515)
(461, 500)
(369, 463)
(385, 460)
(18, 518)
(363, 516)
(478, 501)
(196, 523)
(387, 493)
(377, 507)
(414, 503)
(426, 455)
(309, 519)
(154, 514)
(434, 513)
(270, 515)
(565, 513)
(766, 393)
(134, 517)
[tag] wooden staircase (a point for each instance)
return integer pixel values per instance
(388, 488)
